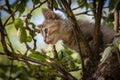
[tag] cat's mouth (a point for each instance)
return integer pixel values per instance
(48, 41)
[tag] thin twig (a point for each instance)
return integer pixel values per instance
(47, 57)
(2, 53)
(50, 4)
(59, 9)
(27, 49)
(34, 8)
(117, 35)
(84, 13)
(55, 52)
(12, 14)
(7, 65)
(3, 41)
(9, 9)
(60, 4)
(80, 5)
(67, 75)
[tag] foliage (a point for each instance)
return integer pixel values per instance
(29, 63)
(108, 50)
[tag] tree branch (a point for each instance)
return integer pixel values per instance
(9, 9)
(54, 52)
(86, 12)
(67, 75)
(80, 5)
(97, 32)
(116, 17)
(80, 39)
(3, 37)
(97, 38)
(50, 4)
(34, 8)
(12, 14)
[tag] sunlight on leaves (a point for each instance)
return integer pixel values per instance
(106, 54)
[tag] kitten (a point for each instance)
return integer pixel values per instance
(55, 28)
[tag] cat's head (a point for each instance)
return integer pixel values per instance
(50, 26)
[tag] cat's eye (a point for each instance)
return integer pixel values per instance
(46, 30)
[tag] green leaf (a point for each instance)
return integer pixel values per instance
(29, 16)
(29, 39)
(37, 56)
(45, 69)
(106, 54)
(119, 47)
(35, 1)
(67, 51)
(18, 23)
(22, 34)
(71, 65)
(116, 41)
(22, 7)
(60, 55)
(112, 4)
(15, 4)
(55, 4)
(32, 24)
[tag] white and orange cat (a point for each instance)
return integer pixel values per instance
(55, 28)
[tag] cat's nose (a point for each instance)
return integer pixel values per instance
(44, 40)
(48, 41)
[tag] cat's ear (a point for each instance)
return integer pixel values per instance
(48, 14)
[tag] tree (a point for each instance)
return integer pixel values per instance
(61, 65)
